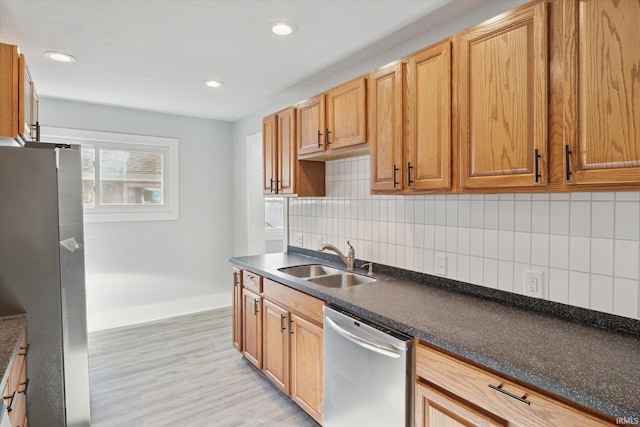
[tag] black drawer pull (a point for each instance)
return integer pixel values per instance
(26, 386)
(25, 350)
(12, 401)
(503, 391)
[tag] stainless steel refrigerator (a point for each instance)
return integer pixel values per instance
(42, 274)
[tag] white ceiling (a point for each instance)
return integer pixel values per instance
(156, 54)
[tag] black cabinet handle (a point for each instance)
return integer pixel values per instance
(319, 143)
(326, 137)
(12, 401)
(409, 180)
(536, 166)
(395, 180)
(567, 164)
(282, 327)
(255, 307)
(271, 185)
(278, 186)
(24, 350)
(26, 387)
(290, 323)
(503, 391)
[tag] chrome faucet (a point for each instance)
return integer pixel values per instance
(350, 260)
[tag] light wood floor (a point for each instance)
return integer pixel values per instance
(181, 371)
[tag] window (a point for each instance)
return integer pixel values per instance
(125, 177)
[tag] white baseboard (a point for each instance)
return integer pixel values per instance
(99, 321)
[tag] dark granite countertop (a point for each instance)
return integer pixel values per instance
(11, 329)
(589, 365)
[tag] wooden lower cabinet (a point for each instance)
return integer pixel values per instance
(452, 392)
(252, 327)
(275, 344)
(281, 334)
(15, 392)
(307, 366)
(433, 408)
(237, 309)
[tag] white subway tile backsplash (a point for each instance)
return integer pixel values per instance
(626, 220)
(559, 217)
(540, 249)
(490, 278)
(602, 256)
(602, 219)
(491, 244)
(625, 297)
(522, 247)
(586, 244)
(559, 251)
(579, 294)
(580, 254)
(558, 285)
(601, 293)
(580, 218)
(505, 245)
(626, 259)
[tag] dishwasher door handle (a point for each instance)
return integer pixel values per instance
(386, 351)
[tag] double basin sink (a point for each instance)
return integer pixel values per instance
(326, 276)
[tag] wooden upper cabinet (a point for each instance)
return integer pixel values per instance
(427, 117)
(346, 123)
(502, 99)
(9, 91)
(601, 90)
(311, 125)
(286, 151)
(269, 148)
(385, 128)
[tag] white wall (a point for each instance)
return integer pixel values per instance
(421, 35)
(139, 271)
(587, 245)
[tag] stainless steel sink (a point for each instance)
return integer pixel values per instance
(341, 280)
(310, 270)
(326, 276)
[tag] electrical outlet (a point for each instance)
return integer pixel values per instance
(441, 264)
(297, 240)
(534, 284)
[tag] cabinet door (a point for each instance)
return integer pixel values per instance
(428, 119)
(311, 129)
(434, 409)
(275, 344)
(385, 128)
(237, 309)
(252, 327)
(307, 366)
(269, 137)
(346, 115)
(26, 97)
(601, 87)
(286, 151)
(9, 91)
(502, 99)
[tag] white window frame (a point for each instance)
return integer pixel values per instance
(170, 210)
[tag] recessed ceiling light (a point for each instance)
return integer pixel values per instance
(282, 28)
(60, 57)
(213, 83)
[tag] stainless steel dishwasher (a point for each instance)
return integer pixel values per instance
(368, 378)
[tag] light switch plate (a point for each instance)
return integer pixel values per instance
(441, 264)
(297, 240)
(534, 285)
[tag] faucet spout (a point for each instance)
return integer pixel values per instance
(350, 260)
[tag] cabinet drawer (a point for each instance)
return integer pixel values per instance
(303, 304)
(496, 394)
(252, 281)
(18, 365)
